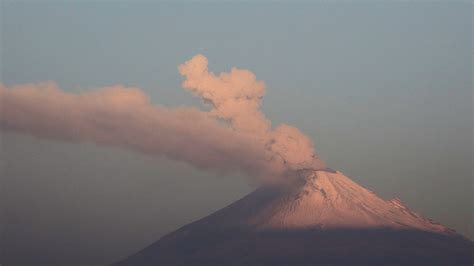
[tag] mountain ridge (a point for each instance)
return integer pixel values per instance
(319, 202)
(326, 219)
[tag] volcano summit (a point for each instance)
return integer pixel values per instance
(324, 219)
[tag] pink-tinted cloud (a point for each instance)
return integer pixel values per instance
(233, 136)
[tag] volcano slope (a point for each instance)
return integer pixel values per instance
(326, 219)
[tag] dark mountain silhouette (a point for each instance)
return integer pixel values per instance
(327, 219)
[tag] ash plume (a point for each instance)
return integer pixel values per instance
(234, 135)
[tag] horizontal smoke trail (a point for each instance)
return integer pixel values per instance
(233, 136)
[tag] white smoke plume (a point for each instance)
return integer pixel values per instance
(233, 136)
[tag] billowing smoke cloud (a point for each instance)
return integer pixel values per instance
(233, 136)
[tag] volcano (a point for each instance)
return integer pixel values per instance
(324, 219)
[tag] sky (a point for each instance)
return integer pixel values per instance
(384, 89)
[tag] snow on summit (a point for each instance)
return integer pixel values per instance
(332, 200)
(325, 200)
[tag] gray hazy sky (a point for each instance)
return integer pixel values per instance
(383, 88)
